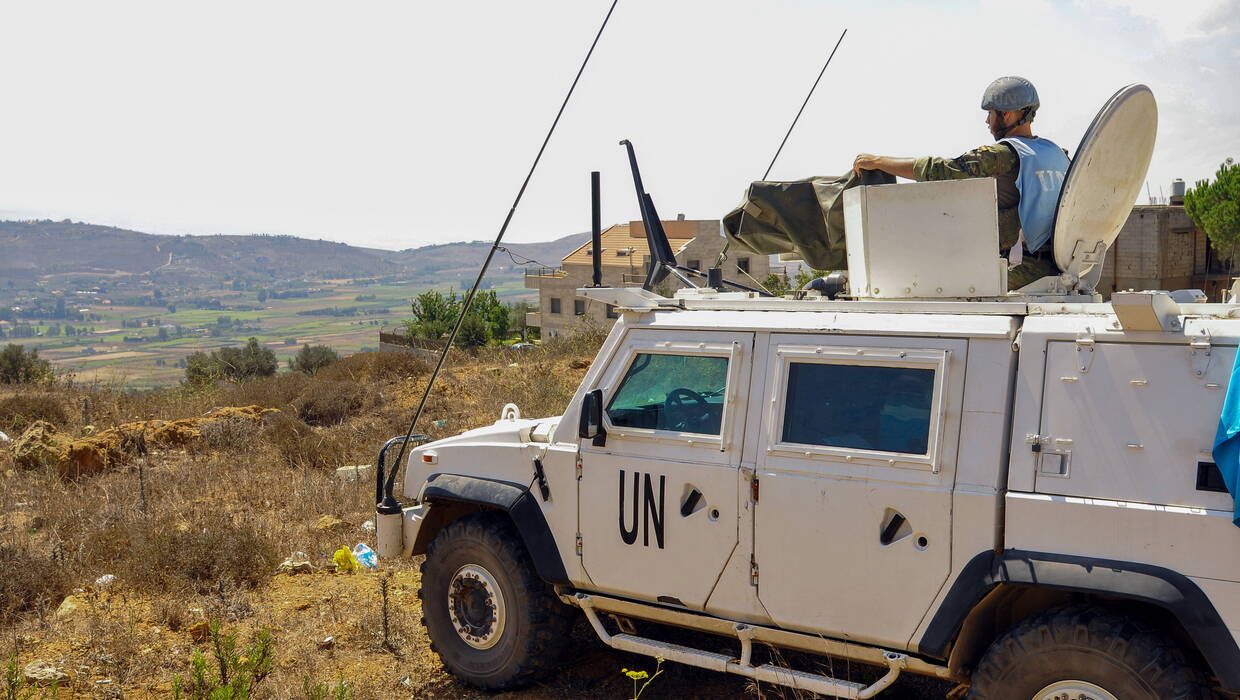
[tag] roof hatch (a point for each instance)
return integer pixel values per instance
(1104, 179)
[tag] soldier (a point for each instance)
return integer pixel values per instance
(1028, 172)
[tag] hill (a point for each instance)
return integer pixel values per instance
(63, 251)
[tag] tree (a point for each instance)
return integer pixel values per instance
(474, 332)
(311, 359)
(433, 314)
(21, 366)
(262, 295)
(776, 284)
(162, 334)
(1215, 208)
(236, 364)
(493, 313)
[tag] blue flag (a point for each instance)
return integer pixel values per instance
(1227, 439)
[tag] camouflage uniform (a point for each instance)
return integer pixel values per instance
(1000, 162)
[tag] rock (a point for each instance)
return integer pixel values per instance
(41, 672)
(579, 364)
(70, 605)
(328, 522)
(297, 563)
(105, 580)
(326, 643)
(38, 446)
(4, 438)
(369, 525)
(354, 472)
(199, 631)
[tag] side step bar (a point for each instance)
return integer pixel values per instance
(800, 680)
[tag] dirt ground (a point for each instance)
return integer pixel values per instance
(327, 627)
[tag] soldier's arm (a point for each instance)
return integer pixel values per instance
(984, 161)
(900, 167)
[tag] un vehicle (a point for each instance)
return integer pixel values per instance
(1013, 491)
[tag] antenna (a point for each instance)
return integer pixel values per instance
(662, 259)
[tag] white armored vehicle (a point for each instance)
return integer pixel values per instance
(1013, 491)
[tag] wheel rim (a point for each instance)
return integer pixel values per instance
(476, 607)
(1073, 690)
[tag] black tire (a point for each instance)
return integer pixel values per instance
(1092, 644)
(536, 625)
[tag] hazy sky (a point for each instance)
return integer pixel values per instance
(397, 124)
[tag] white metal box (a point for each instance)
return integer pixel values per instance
(924, 239)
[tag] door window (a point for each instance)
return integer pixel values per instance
(683, 393)
(867, 407)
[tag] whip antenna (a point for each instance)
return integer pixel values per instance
(802, 109)
(387, 498)
(723, 254)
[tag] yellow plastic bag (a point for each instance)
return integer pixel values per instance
(346, 563)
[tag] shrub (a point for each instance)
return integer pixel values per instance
(30, 582)
(21, 366)
(19, 412)
(279, 391)
(330, 403)
(230, 433)
(236, 364)
(376, 366)
(310, 359)
(233, 675)
(205, 555)
(299, 445)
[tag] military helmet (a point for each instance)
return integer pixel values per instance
(1010, 93)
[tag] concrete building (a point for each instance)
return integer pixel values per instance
(625, 258)
(1160, 248)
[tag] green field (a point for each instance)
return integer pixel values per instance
(106, 357)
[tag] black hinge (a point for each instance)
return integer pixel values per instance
(541, 476)
(754, 489)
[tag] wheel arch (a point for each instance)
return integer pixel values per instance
(994, 592)
(453, 496)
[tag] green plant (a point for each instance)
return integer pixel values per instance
(776, 283)
(235, 674)
(21, 366)
(312, 358)
(473, 333)
(643, 677)
(15, 686)
(235, 363)
(323, 691)
(1215, 207)
(433, 314)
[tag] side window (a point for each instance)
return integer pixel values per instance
(579, 306)
(867, 407)
(611, 312)
(742, 264)
(555, 305)
(671, 392)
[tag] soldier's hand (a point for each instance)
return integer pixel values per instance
(866, 161)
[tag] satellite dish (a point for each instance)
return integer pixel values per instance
(1104, 179)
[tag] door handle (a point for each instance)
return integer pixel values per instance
(888, 534)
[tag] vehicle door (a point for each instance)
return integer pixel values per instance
(658, 500)
(852, 530)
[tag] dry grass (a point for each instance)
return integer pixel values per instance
(193, 531)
